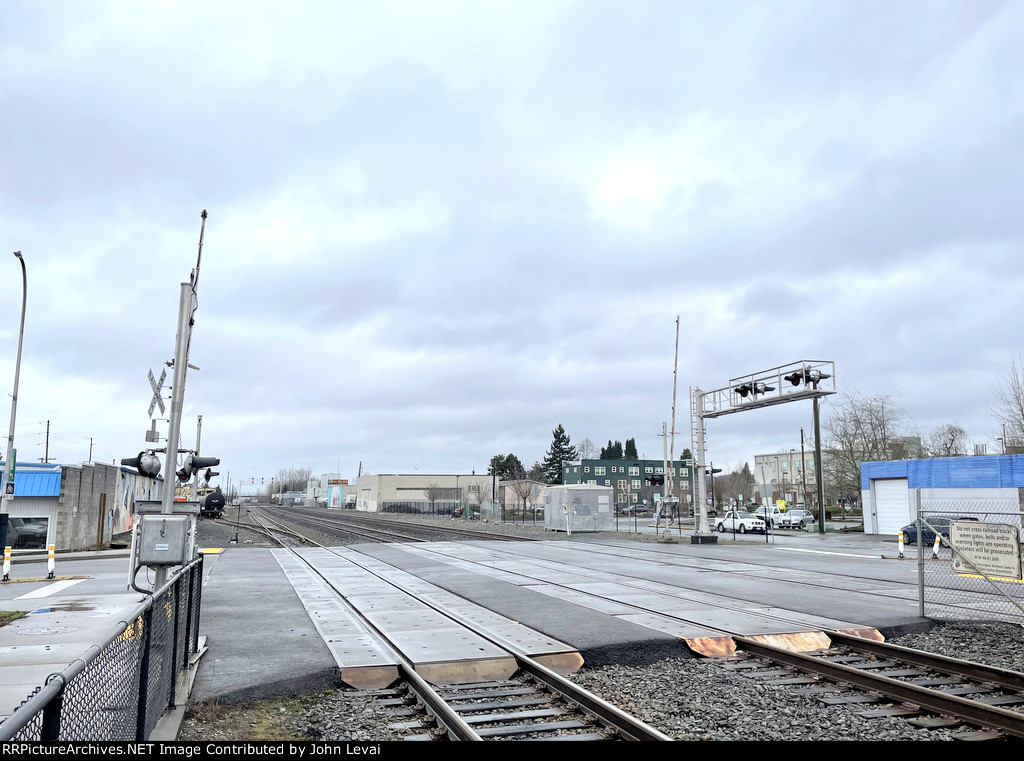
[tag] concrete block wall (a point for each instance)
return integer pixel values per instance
(88, 494)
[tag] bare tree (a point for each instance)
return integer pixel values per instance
(523, 489)
(730, 486)
(1009, 405)
(861, 429)
(948, 440)
(587, 449)
(433, 493)
(289, 479)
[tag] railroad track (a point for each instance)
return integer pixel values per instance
(535, 702)
(384, 530)
(929, 690)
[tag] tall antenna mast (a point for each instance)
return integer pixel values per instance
(672, 431)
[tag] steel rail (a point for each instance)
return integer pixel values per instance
(626, 726)
(449, 720)
(422, 527)
(1011, 680)
(971, 711)
(367, 532)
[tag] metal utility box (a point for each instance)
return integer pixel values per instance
(179, 507)
(578, 507)
(163, 539)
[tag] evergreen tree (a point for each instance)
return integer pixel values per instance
(631, 450)
(561, 451)
(506, 467)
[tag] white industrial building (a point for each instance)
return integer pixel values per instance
(434, 494)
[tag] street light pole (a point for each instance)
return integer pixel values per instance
(9, 462)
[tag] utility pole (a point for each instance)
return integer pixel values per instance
(195, 482)
(186, 300)
(11, 452)
(803, 471)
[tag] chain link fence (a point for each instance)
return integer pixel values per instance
(119, 689)
(973, 570)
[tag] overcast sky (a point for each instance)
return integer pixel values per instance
(437, 230)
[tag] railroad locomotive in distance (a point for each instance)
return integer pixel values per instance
(213, 504)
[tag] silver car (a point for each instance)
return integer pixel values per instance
(796, 517)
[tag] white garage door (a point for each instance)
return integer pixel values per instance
(892, 504)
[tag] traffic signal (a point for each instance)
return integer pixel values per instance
(807, 376)
(193, 464)
(147, 463)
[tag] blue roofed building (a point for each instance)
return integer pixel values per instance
(889, 489)
(73, 507)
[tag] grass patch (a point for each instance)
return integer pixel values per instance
(6, 616)
(270, 720)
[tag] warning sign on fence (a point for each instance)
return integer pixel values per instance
(989, 548)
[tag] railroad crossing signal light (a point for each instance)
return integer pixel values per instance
(807, 376)
(209, 474)
(147, 463)
(753, 388)
(655, 480)
(194, 464)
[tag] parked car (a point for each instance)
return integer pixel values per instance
(797, 517)
(738, 520)
(937, 522)
(770, 514)
(635, 510)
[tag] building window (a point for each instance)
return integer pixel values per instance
(659, 469)
(685, 485)
(599, 471)
(592, 482)
(607, 482)
(634, 471)
(636, 483)
(586, 469)
(27, 533)
(648, 469)
(684, 472)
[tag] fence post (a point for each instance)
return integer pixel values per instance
(50, 731)
(920, 557)
(175, 622)
(187, 650)
(140, 721)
